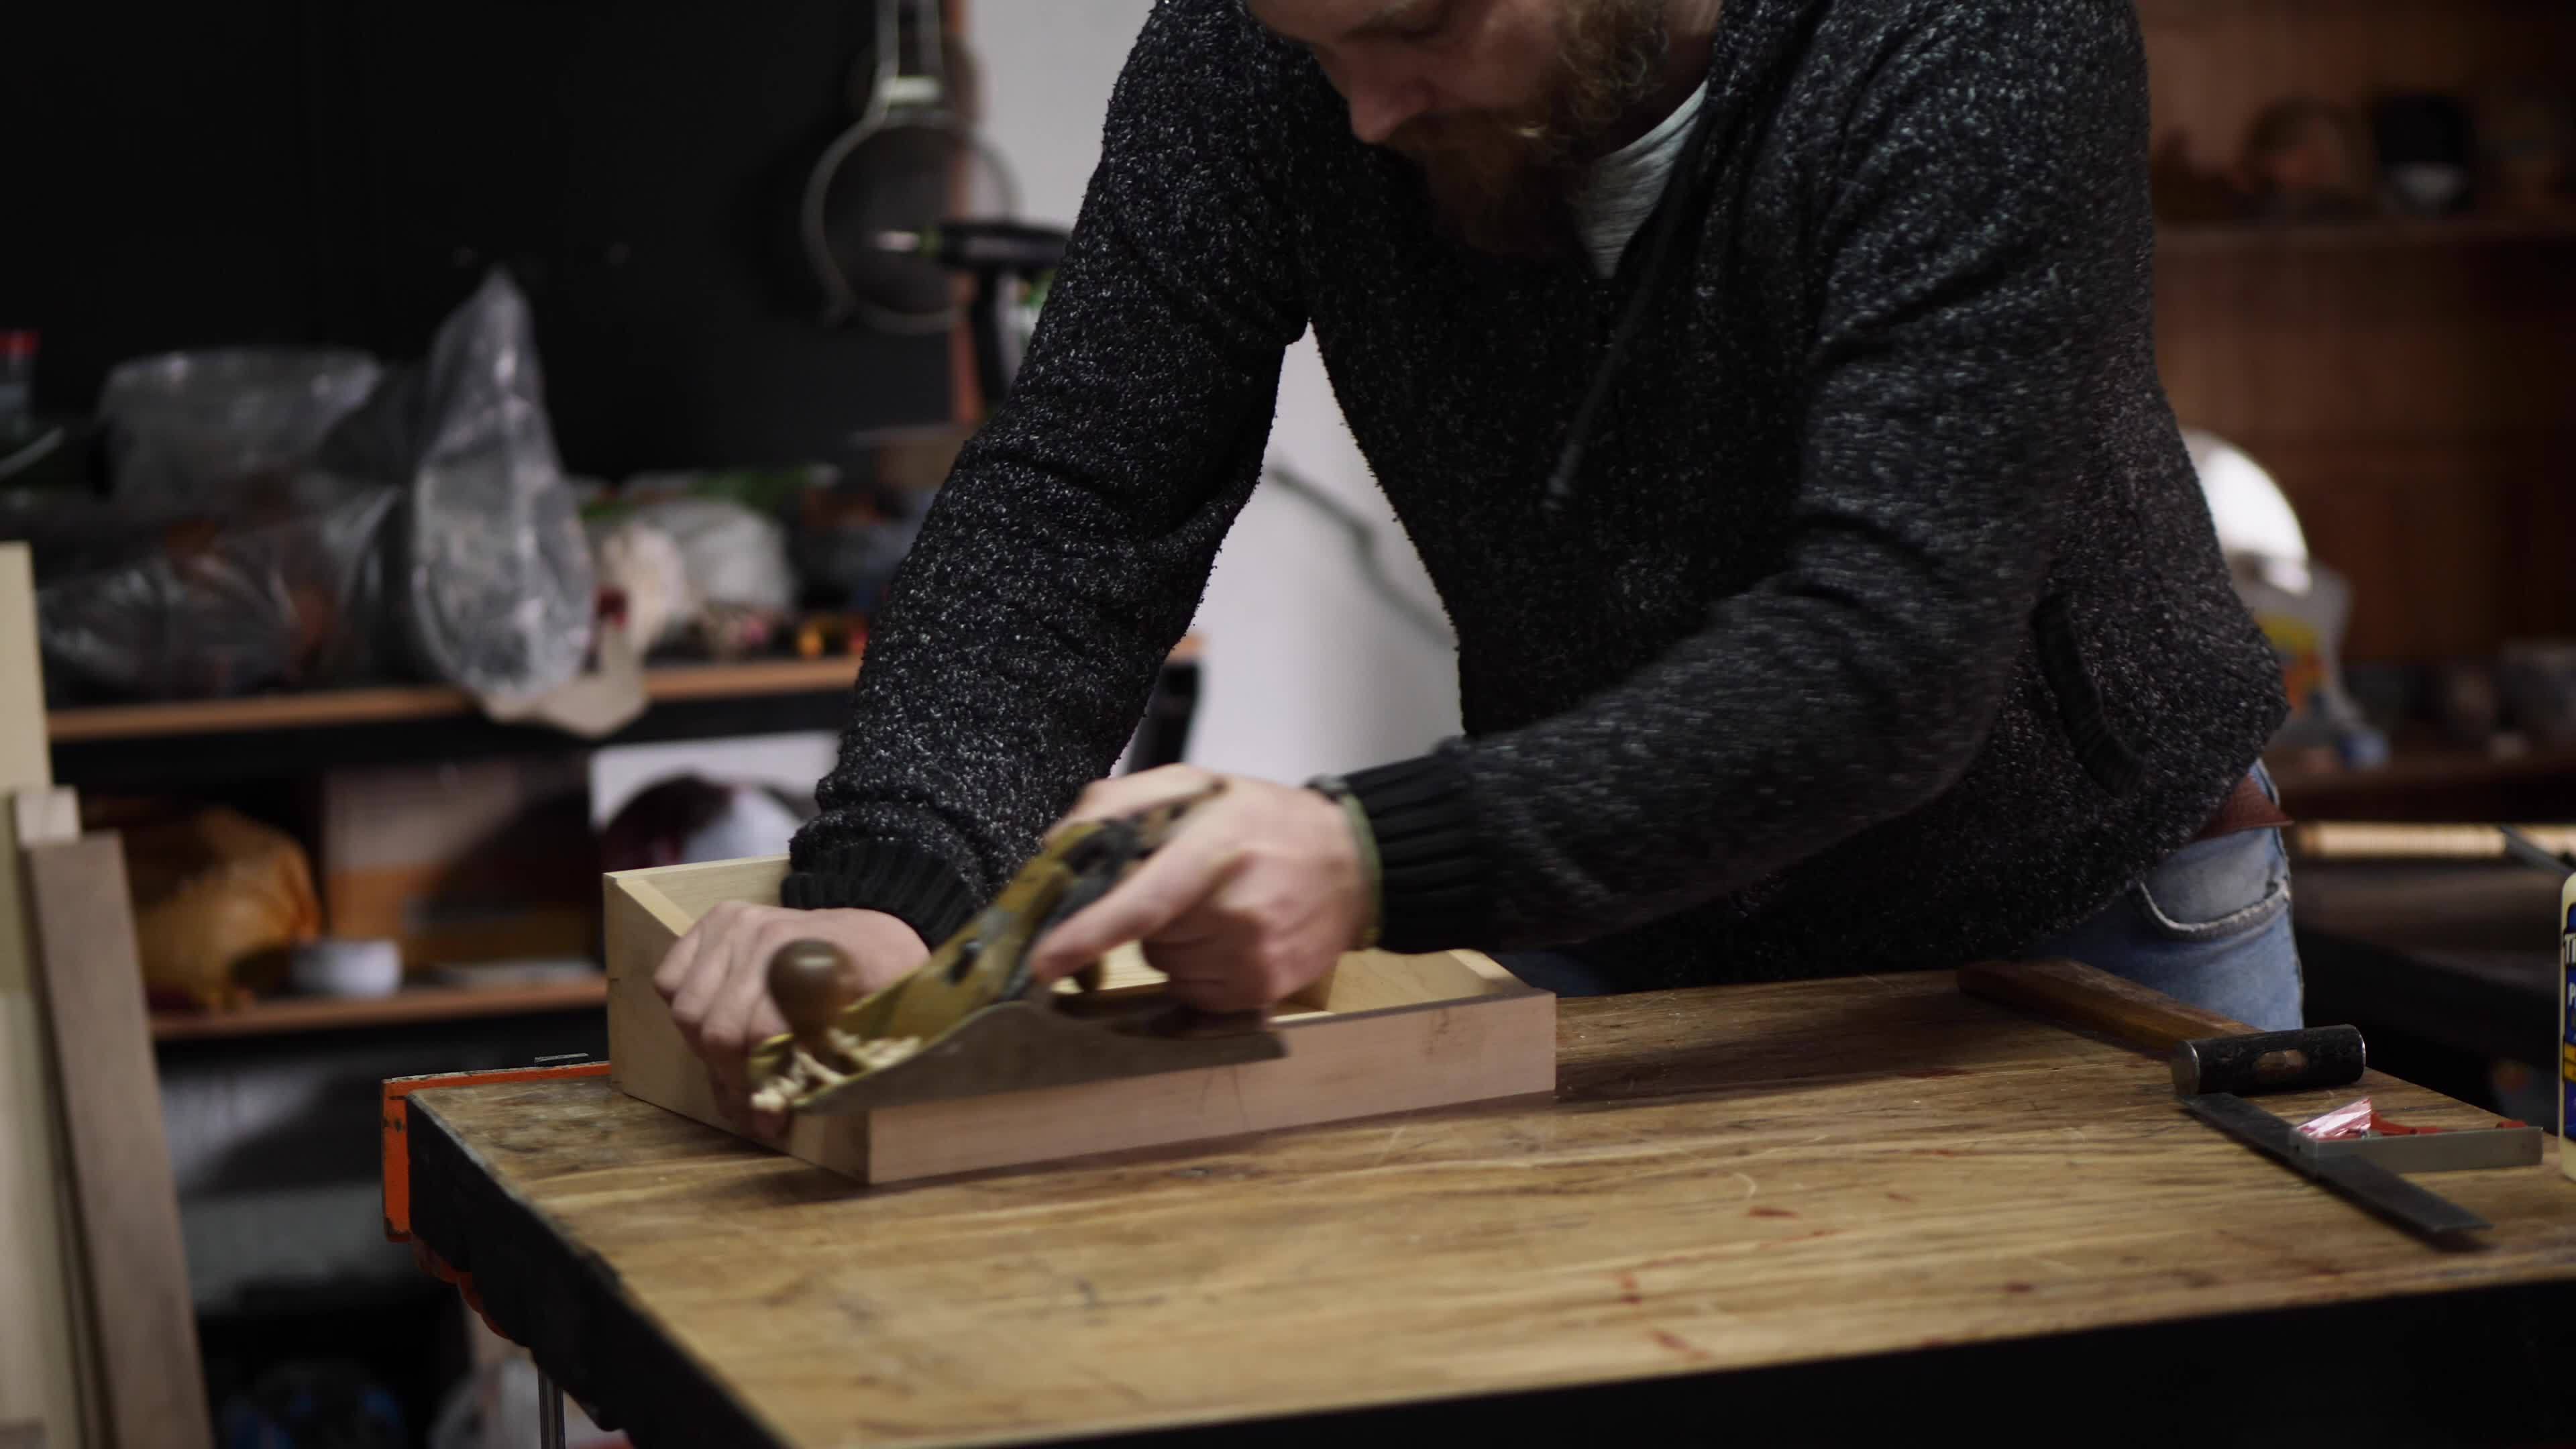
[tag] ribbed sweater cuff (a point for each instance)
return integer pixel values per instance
(1434, 886)
(917, 888)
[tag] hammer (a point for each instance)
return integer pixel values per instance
(2210, 1052)
(2215, 1062)
(2269, 1061)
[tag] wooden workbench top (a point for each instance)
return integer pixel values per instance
(1730, 1179)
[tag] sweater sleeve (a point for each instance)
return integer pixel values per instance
(1069, 547)
(1981, 238)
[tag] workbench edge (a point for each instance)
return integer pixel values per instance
(572, 1312)
(567, 1308)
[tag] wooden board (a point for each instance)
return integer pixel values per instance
(1394, 1034)
(2386, 840)
(24, 761)
(41, 1373)
(2077, 995)
(312, 708)
(288, 1015)
(1730, 1180)
(128, 1204)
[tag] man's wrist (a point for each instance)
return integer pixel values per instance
(1364, 845)
(1434, 888)
(898, 880)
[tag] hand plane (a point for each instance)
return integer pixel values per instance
(971, 1021)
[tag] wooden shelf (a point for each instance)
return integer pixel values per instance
(290, 1015)
(411, 703)
(2437, 785)
(2155, 12)
(150, 748)
(2386, 234)
(146, 748)
(2430, 764)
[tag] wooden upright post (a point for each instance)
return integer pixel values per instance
(135, 1283)
(41, 1350)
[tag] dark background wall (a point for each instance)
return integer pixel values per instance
(305, 171)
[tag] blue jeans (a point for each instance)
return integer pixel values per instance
(2209, 926)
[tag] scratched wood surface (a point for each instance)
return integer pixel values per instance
(1738, 1177)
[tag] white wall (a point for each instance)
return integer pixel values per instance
(1307, 670)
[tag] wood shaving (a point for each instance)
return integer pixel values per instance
(805, 1074)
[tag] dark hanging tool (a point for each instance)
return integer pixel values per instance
(1013, 264)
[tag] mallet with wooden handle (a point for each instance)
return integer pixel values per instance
(2213, 1060)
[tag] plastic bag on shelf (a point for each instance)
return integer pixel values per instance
(496, 589)
(431, 528)
(193, 434)
(210, 611)
(219, 562)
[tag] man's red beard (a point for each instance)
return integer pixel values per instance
(1505, 180)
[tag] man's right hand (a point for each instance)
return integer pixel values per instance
(716, 979)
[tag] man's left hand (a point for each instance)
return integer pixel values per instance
(1257, 893)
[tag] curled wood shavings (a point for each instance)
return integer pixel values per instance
(805, 1074)
(878, 1055)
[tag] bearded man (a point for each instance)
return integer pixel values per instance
(1768, 389)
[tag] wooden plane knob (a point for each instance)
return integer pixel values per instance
(812, 981)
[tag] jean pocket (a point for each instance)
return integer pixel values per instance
(2211, 890)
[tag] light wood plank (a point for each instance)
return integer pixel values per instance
(2368, 840)
(47, 816)
(111, 1103)
(1376, 980)
(648, 1058)
(1402, 1033)
(24, 760)
(676, 895)
(1339, 1067)
(42, 1375)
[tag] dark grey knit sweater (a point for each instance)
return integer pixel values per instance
(1885, 628)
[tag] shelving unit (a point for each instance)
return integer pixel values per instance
(2411, 384)
(176, 745)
